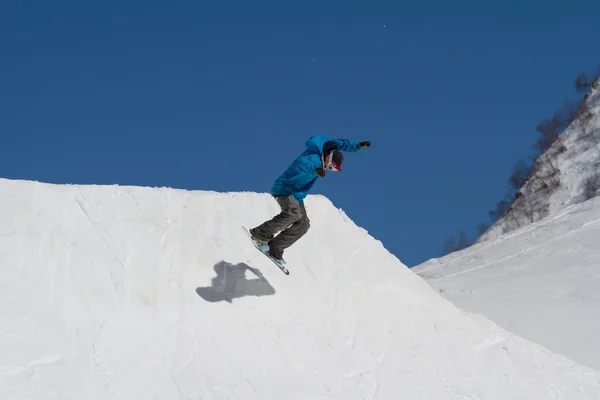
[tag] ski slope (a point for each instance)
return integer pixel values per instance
(111, 292)
(541, 282)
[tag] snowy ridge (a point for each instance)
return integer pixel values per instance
(111, 292)
(568, 173)
(541, 281)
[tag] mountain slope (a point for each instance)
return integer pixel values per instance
(112, 292)
(567, 173)
(541, 282)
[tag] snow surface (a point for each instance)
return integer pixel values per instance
(541, 282)
(111, 292)
(576, 165)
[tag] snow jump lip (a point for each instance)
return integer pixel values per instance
(156, 293)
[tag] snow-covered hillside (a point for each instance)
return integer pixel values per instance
(568, 173)
(112, 292)
(541, 282)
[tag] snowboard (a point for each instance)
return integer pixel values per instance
(262, 248)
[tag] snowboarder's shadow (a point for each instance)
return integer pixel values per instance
(232, 282)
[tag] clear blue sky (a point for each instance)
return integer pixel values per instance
(222, 95)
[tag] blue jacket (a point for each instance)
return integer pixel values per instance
(301, 175)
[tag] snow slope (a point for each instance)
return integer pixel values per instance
(562, 178)
(112, 292)
(541, 282)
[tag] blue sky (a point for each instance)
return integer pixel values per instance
(222, 96)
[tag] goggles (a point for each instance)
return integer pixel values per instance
(331, 165)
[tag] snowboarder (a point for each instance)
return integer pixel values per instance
(293, 185)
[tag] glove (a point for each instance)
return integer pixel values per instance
(321, 172)
(365, 144)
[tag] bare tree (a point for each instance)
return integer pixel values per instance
(550, 127)
(521, 172)
(463, 241)
(549, 130)
(512, 219)
(501, 208)
(529, 209)
(591, 187)
(582, 82)
(584, 114)
(449, 245)
(482, 228)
